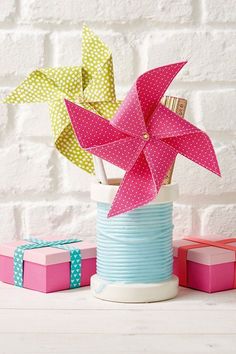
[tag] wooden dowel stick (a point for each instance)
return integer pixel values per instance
(100, 170)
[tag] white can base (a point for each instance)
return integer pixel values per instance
(121, 292)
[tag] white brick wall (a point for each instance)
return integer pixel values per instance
(40, 192)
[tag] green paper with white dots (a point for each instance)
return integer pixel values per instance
(91, 85)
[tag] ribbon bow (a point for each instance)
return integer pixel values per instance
(91, 85)
(75, 259)
(143, 138)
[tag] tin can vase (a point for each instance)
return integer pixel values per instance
(134, 249)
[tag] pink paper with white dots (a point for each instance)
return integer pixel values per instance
(143, 138)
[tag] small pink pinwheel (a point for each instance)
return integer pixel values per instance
(143, 138)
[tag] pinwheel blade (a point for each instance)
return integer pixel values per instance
(37, 87)
(137, 188)
(101, 87)
(122, 153)
(184, 138)
(90, 129)
(198, 148)
(164, 123)
(129, 117)
(98, 77)
(152, 86)
(160, 157)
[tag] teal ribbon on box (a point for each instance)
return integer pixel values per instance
(75, 259)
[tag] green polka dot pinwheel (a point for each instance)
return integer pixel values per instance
(91, 85)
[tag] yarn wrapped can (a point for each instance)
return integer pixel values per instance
(134, 249)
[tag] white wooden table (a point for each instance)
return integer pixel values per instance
(75, 322)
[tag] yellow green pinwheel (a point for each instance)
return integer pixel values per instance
(91, 85)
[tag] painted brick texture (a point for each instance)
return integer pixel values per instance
(43, 194)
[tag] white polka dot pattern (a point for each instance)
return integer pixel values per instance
(129, 118)
(91, 85)
(136, 189)
(122, 153)
(160, 157)
(90, 130)
(142, 139)
(152, 85)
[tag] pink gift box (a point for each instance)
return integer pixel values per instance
(205, 265)
(47, 269)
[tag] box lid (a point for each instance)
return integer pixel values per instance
(206, 255)
(48, 255)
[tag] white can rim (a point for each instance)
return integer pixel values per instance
(105, 193)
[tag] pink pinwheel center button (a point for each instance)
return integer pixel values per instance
(145, 136)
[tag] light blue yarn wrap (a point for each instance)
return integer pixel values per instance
(135, 247)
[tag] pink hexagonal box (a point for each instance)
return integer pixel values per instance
(47, 269)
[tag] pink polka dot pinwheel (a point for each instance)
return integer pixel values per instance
(143, 138)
